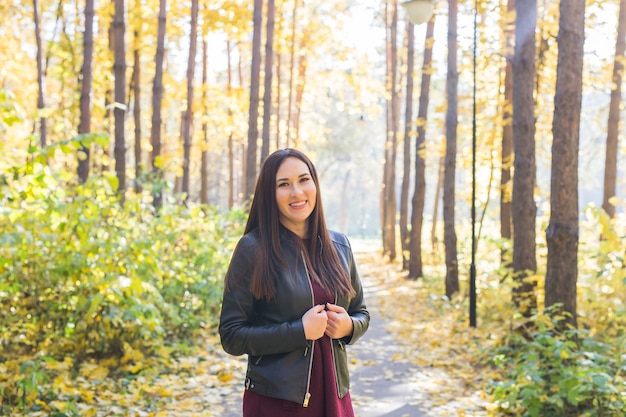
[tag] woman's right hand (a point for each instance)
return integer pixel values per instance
(314, 322)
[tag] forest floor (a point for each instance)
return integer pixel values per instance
(418, 359)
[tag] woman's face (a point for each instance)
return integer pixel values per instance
(296, 195)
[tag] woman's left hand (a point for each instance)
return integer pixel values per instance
(339, 323)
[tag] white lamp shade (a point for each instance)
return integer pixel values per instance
(419, 11)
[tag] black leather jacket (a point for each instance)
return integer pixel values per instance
(271, 332)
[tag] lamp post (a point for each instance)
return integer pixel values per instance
(419, 11)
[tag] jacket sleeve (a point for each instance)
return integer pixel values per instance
(238, 333)
(357, 309)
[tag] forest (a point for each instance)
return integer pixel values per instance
(482, 151)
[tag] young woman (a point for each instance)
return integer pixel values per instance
(292, 299)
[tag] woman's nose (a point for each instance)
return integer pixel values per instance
(295, 190)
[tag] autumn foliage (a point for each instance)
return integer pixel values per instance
(85, 278)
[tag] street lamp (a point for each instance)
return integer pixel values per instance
(419, 11)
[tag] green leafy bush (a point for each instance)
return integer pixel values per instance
(560, 374)
(82, 274)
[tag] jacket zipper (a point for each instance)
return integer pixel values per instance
(307, 396)
(332, 353)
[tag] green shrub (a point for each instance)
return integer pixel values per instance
(82, 274)
(560, 374)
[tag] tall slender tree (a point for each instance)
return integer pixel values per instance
(119, 112)
(253, 123)
(610, 166)
(389, 206)
(506, 188)
(452, 80)
(40, 77)
(292, 65)
(188, 113)
(300, 86)
(157, 102)
(523, 201)
(231, 145)
(84, 125)
(408, 137)
(136, 88)
(419, 192)
(204, 155)
(562, 232)
(267, 92)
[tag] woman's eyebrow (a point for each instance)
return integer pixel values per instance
(306, 174)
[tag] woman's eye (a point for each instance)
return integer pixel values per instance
(305, 179)
(283, 184)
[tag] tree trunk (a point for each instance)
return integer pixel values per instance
(204, 176)
(267, 93)
(188, 114)
(433, 228)
(610, 166)
(231, 153)
(300, 84)
(40, 77)
(255, 74)
(157, 100)
(507, 132)
(523, 201)
(84, 126)
(408, 134)
(449, 233)
(389, 189)
(292, 65)
(119, 112)
(419, 193)
(562, 232)
(278, 99)
(344, 212)
(137, 109)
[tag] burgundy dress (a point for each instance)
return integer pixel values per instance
(324, 401)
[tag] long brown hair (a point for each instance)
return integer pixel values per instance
(319, 250)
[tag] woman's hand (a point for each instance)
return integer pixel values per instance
(314, 322)
(339, 322)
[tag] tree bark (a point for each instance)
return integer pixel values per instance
(188, 114)
(255, 74)
(506, 225)
(84, 126)
(610, 166)
(524, 209)
(119, 111)
(419, 192)
(389, 189)
(292, 65)
(449, 234)
(408, 135)
(267, 93)
(204, 175)
(137, 109)
(433, 229)
(40, 77)
(300, 84)
(562, 232)
(157, 100)
(231, 152)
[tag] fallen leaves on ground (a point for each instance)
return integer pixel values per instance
(198, 384)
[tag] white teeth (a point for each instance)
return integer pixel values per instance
(297, 205)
